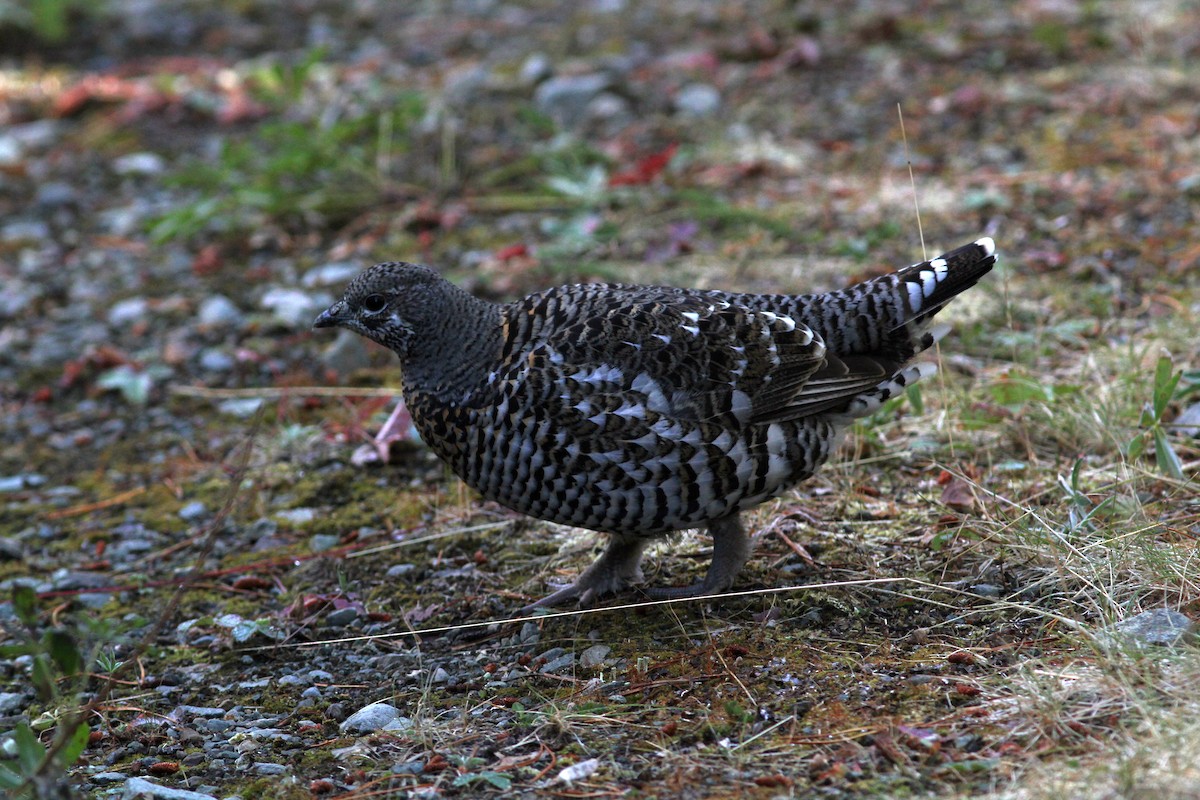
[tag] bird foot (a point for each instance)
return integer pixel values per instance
(678, 592)
(731, 548)
(616, 568)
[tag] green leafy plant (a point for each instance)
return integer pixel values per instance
(25, 763)
(471, 773)
(278, 83)
(1166, 379)
(48, 20)
(289, 173)
(1081, 509)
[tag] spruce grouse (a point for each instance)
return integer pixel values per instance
(640, 410)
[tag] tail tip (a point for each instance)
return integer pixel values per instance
(989, 247)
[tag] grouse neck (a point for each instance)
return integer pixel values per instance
(456, 347)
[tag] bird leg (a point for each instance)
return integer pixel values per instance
(731, 548)
(616, 567)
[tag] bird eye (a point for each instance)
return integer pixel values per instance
(374, 303)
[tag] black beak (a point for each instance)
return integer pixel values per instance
(332, 316)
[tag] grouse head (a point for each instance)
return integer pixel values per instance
(390, 304)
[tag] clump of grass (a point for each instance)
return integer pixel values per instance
(289, 174)
(313, 164)
(50, 21)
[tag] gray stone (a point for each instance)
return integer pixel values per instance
(267, 768)
(17, 140)
(17, 483)
(125, 312)
(335, 273)
(292, 306)
(535, 69)
(610, 108)
(193, 511)
(563, 662)
(218, 311)
(109, 777)
(1157, 626)
(139, 164)
(530, 633)
(199, 711)
(215, 360)
(11, 702)
(465, 85)
(20, 230)
(566, 97)
(341, 617)
(125, 549)
(594, 656)
(697, 100)
(1188, 422)
(369, 718)
(67, 580)
(399, 725)
(140, 787)
(11, 548)
(321, 542)
(56, 194)
(297, 516)
(17, 297)
(240, 406)
(93, 599)
(409, 767)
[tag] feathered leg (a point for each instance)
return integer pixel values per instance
(616, 568)
(731, 548)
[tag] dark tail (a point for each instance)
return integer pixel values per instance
(890, 316)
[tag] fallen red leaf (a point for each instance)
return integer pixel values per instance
(512, 251)
(959, 495)
(251, 582)
(646, 170)
(207, 261)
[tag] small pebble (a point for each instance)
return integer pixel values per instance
(335, 273)
(214, 360)
(559, 664)
(594, 656)
(138, 164)
(697, 100)
(124, 313)
(1157, 626)
(369, 718)
(267, 768)
(341, 617)
(292, 306)
(219, 311)
(137, 787)
(12, 702)
(109, 777)
(193, 511)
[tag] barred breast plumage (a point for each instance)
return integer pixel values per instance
(639, 410)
